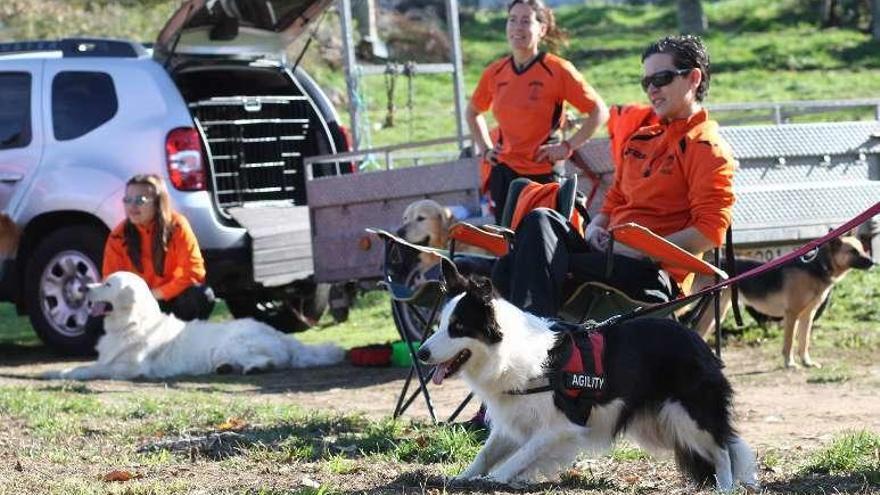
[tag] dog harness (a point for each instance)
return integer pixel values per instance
(574, 370)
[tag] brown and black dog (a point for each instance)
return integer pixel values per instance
(794, 292)
(9, 236)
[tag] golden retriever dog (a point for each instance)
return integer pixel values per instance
(794, 293)
(426, 223)
(143, 342)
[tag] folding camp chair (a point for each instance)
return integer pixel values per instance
(416, 299)
(597, 301)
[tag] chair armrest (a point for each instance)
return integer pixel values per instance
(497, 229)
(659, 249)
(472, 235)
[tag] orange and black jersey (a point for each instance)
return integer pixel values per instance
(674, 175)
(528, 105)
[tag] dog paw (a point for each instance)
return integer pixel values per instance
(791, 364)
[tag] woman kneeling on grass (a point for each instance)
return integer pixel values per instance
(158, 244)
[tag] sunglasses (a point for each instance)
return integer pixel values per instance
(662, 78)
(137, 200)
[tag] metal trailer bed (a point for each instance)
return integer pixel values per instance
(793, 184)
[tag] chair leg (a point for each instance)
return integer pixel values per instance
(460, 407)
(415, 368)
(399, 408)
(716, 299)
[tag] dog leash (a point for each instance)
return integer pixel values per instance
(770, 265)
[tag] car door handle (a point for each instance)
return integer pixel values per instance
(10, 177)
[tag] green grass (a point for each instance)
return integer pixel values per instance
(849, 322)
(856, 453)
(761, 51)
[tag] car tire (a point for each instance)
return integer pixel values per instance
(54, 287)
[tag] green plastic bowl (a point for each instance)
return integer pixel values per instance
(400, 356)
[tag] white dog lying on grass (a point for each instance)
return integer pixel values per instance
(141, 341)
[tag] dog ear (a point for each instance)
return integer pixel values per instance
(452, 279)
(126, 297)
(482, 288)
(482, 292)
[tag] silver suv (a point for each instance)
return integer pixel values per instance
(215, 109)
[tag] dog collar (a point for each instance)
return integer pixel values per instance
(534, 386)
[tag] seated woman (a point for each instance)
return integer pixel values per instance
(675, 178)
(158, 244)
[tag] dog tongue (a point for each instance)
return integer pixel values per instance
(98, 309)
(440, 373)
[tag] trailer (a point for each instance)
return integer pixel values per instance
(794, 183)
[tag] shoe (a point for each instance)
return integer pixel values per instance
(477, 422)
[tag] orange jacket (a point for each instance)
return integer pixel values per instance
(623, 122)
(529, 105)
(535, 195)
(674, 175)
(184, 266)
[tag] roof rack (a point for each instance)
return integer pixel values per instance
(76, 47)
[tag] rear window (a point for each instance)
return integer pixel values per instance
(15, 110)
(81, 102)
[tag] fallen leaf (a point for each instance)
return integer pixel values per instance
(120, 475)
(232, 424)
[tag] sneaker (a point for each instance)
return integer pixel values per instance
(477, 422)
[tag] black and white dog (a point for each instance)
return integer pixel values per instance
(662, 386)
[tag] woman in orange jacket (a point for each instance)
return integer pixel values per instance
(674, 177)
(527, 92)
(158, 244)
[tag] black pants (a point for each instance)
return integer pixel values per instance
(196, 302)
(500, 178)
(549, 258)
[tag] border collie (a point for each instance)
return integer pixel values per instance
(662, 386)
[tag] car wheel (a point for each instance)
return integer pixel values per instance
(55, 286)
(411, 319)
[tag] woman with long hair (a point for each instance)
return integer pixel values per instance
(527, 91)
(158, 244)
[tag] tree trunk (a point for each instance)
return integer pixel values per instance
(827, 15)
(691, 19)
(875, 19)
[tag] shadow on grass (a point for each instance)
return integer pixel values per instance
(427, 480)
(826, 483)
(22, 355)
(343, 376)
(286, 381)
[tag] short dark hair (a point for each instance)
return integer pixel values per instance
(688, 52)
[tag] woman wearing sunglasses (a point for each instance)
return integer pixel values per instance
(673, 177)
(527, 91)
(158, 244)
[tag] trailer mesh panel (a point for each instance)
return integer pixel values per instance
(257, 145)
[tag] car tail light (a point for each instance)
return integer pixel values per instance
(349, 146)
(186, 166)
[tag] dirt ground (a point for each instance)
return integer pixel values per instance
(775, 407)
(780, 412)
